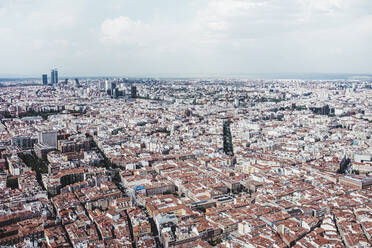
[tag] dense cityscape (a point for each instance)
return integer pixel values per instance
(228, 163)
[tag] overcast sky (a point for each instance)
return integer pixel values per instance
(151, 37)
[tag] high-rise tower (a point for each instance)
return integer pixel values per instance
(54, 76)
(52, 80)
(45, 79)
(133, 91)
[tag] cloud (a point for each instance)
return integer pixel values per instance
(247, 19)
(188, 35)
(155, 36)
(328, 6)
(122, 29)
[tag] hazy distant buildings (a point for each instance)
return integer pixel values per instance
(133, 91)
(116, 93)
(107, 85)
(101, 85)
(110, 87)
(56, 75)
(52, 77)
(45, 79)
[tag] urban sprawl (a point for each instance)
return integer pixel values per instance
(185, 163)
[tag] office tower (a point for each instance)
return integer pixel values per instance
(107, 85)
(53, 76)
(56, 75)
(48, 138)
(101, 85)
(115, 92)
(52, 80)
(45, 79)
(133, 91)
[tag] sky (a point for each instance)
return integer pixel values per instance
(184, 37)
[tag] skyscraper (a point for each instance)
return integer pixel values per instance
(107, 85)
(56, 75)
(133, 91)
(101, 85)
(52, 77)
(45, 79)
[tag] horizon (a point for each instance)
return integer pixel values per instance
(232, 76)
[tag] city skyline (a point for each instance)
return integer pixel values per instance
(251, 76)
